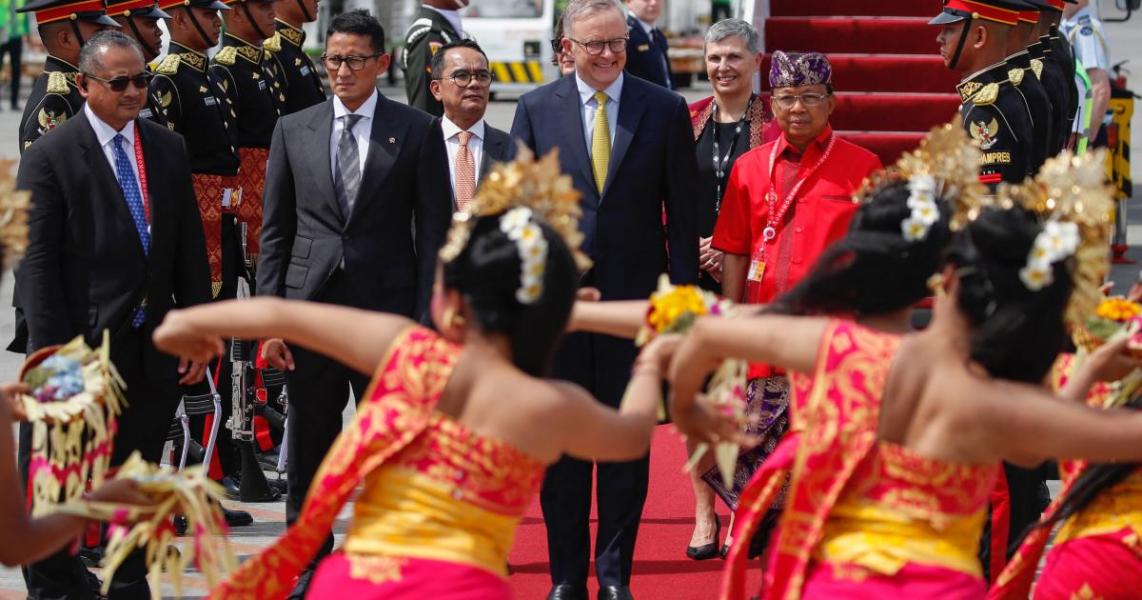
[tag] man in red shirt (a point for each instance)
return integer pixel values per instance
(786, 201)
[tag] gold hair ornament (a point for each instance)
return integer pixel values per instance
(14, 206)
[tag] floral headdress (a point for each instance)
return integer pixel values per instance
(524, 189)
(946, 165)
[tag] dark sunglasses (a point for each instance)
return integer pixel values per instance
(119, 84)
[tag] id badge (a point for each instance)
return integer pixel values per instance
(756, 270)
(231, 197)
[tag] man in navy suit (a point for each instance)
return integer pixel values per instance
(628, 146)
(646, 54)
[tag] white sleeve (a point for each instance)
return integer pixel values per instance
(1089, 42)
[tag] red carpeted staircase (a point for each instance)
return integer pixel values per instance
(891, 83)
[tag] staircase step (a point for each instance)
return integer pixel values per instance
(888, 145)
(893, 112)
(878, 8)
(873, 35)
(888, 73)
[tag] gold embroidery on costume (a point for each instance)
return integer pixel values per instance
(1016, 75)
(57, 82)
(169, 66)
(227, 56)
(375, 569)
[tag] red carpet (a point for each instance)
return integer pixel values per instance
(892, 85)
(661, 569)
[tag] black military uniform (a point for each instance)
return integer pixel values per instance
(198, 107)
(1023, 72)
(303, 87)
(246, 77)
(155, 110)
(55, 98)
(995, 115)
(1058, 75)
(425, 36)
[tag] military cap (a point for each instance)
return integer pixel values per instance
(147, 9)
(210, 4)
(50, 11)
(998, 11)
(1051, 5)
(232, 2)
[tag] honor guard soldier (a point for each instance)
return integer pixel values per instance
(249, 79)
(437, 24)
(1024, 73)
(139, 19)
(974, 42)
(303, 87)
(1058, 69)
(63, 25)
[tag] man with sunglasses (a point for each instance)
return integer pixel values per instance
(462, 83)
(356, 207)
(63, 26)
(437, 23)
(303, 87)
(114, 243)
(139, 19)
(629, 148)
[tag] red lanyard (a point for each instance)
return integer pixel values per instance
(777, 214)
(142, 174)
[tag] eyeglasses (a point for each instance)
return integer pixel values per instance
(557, 46)
(356, 63)
(594, 47)
(807, 100)
(463, 78)
(119, 84)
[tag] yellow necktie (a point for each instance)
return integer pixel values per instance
(601, 142)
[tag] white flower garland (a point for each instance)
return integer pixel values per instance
(518, 226)
(1057, 241)
(925, 213)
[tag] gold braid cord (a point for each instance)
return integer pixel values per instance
(1071, 189)
(71, 438)
(948, 156)
(190, 493)
(527, 182)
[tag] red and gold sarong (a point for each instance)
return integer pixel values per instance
(251, 179)
(208, 191)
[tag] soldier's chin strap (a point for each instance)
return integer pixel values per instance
(75, 30)
(139, 37)
(253, 23)
(198, 27)
(960, 46)
(305, 11)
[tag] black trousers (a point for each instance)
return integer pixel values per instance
(14, 48)
(318, 392)
(152, 398)
(602, 365)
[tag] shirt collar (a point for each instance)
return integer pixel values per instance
(820, 142)
(647, 27)
(452, 16)
(366, 110)
(586, 92)
(451, 129)
(104, 132)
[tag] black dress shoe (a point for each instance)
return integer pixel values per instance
(615, 592)
(237, 518)
(232, 487)
(566, 591)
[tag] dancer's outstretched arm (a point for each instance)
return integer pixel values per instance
(620, 318)
(354, 337)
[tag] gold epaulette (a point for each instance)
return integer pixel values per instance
(227, 56)
(1016, 75)
(987, 95)
(57, 83)
(1037, 67)
(169, 65)
(274, 43)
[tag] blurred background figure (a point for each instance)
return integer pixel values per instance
(646, 49)
(12, 33)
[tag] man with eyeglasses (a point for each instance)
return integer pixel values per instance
(303, 87)
(461, 82)
(114, 243)
(789, 200)
(356, 207)
(629, 148)
(437, 23)
(647, 54)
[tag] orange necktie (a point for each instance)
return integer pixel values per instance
(465, 172)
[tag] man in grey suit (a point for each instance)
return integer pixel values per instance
(346, 178)
(461, 82)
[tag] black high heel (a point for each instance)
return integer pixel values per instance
(706, 551)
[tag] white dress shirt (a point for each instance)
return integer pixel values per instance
(106, 136)
(452, 144)
(588, 105)
(361, 130)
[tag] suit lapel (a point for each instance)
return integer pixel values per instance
(493, 150)
(631, 108)
(320, 132)
(107, 182)
(571, 129)
(385, 141)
